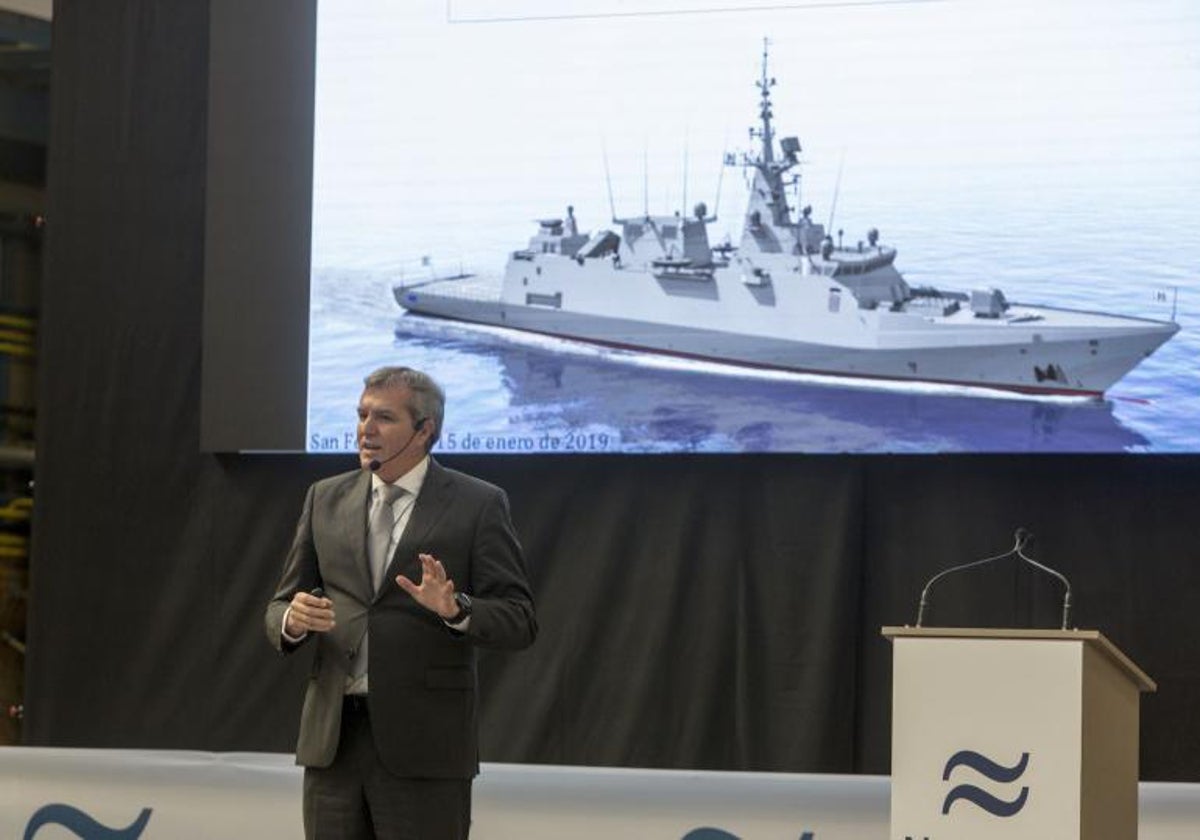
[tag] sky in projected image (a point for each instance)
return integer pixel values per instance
(1051, 150)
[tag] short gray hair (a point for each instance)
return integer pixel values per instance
(426, 400)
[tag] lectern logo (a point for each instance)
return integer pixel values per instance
(989, 769)
(82, 824)
(708, 833)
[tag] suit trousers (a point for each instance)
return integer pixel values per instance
(357, 798)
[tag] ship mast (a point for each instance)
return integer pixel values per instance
(770, 207)
(767, 136)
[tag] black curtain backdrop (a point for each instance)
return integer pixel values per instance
(696, 612)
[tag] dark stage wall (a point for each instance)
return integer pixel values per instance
(701, 612)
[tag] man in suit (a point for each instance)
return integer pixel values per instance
(398, 572)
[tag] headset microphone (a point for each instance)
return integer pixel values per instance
(374, 464)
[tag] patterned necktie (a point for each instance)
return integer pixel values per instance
(383, 520)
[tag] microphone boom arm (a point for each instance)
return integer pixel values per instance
(1066, 610)
(959, 568)
(1022, 539)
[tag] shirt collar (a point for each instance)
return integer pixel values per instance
(411, 481)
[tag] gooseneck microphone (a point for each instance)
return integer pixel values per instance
(1066, 607)
(374, 464)
(1021, 539)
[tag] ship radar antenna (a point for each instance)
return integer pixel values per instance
(727, 159)
(685, 174)
(720, 180)
(612, 207)
(837, 186)
(646, 179)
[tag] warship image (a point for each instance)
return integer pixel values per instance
(786, 297)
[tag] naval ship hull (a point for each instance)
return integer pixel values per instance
(1041, 360)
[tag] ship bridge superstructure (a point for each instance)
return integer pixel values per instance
(768, 225)
(866, 270)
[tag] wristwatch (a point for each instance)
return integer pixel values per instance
(464, 608)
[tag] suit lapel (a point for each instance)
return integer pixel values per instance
(351, 514)
(432, 502)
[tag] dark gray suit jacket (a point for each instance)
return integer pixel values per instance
(423, 698)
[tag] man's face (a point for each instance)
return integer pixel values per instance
(386, 432)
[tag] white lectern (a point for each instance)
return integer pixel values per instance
(1029, 734)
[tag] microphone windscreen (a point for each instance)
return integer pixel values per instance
(374, 464)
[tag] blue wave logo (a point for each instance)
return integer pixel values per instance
(707, 833)
(989, 769)
(82, 825)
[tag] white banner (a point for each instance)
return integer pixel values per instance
(59, 794)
